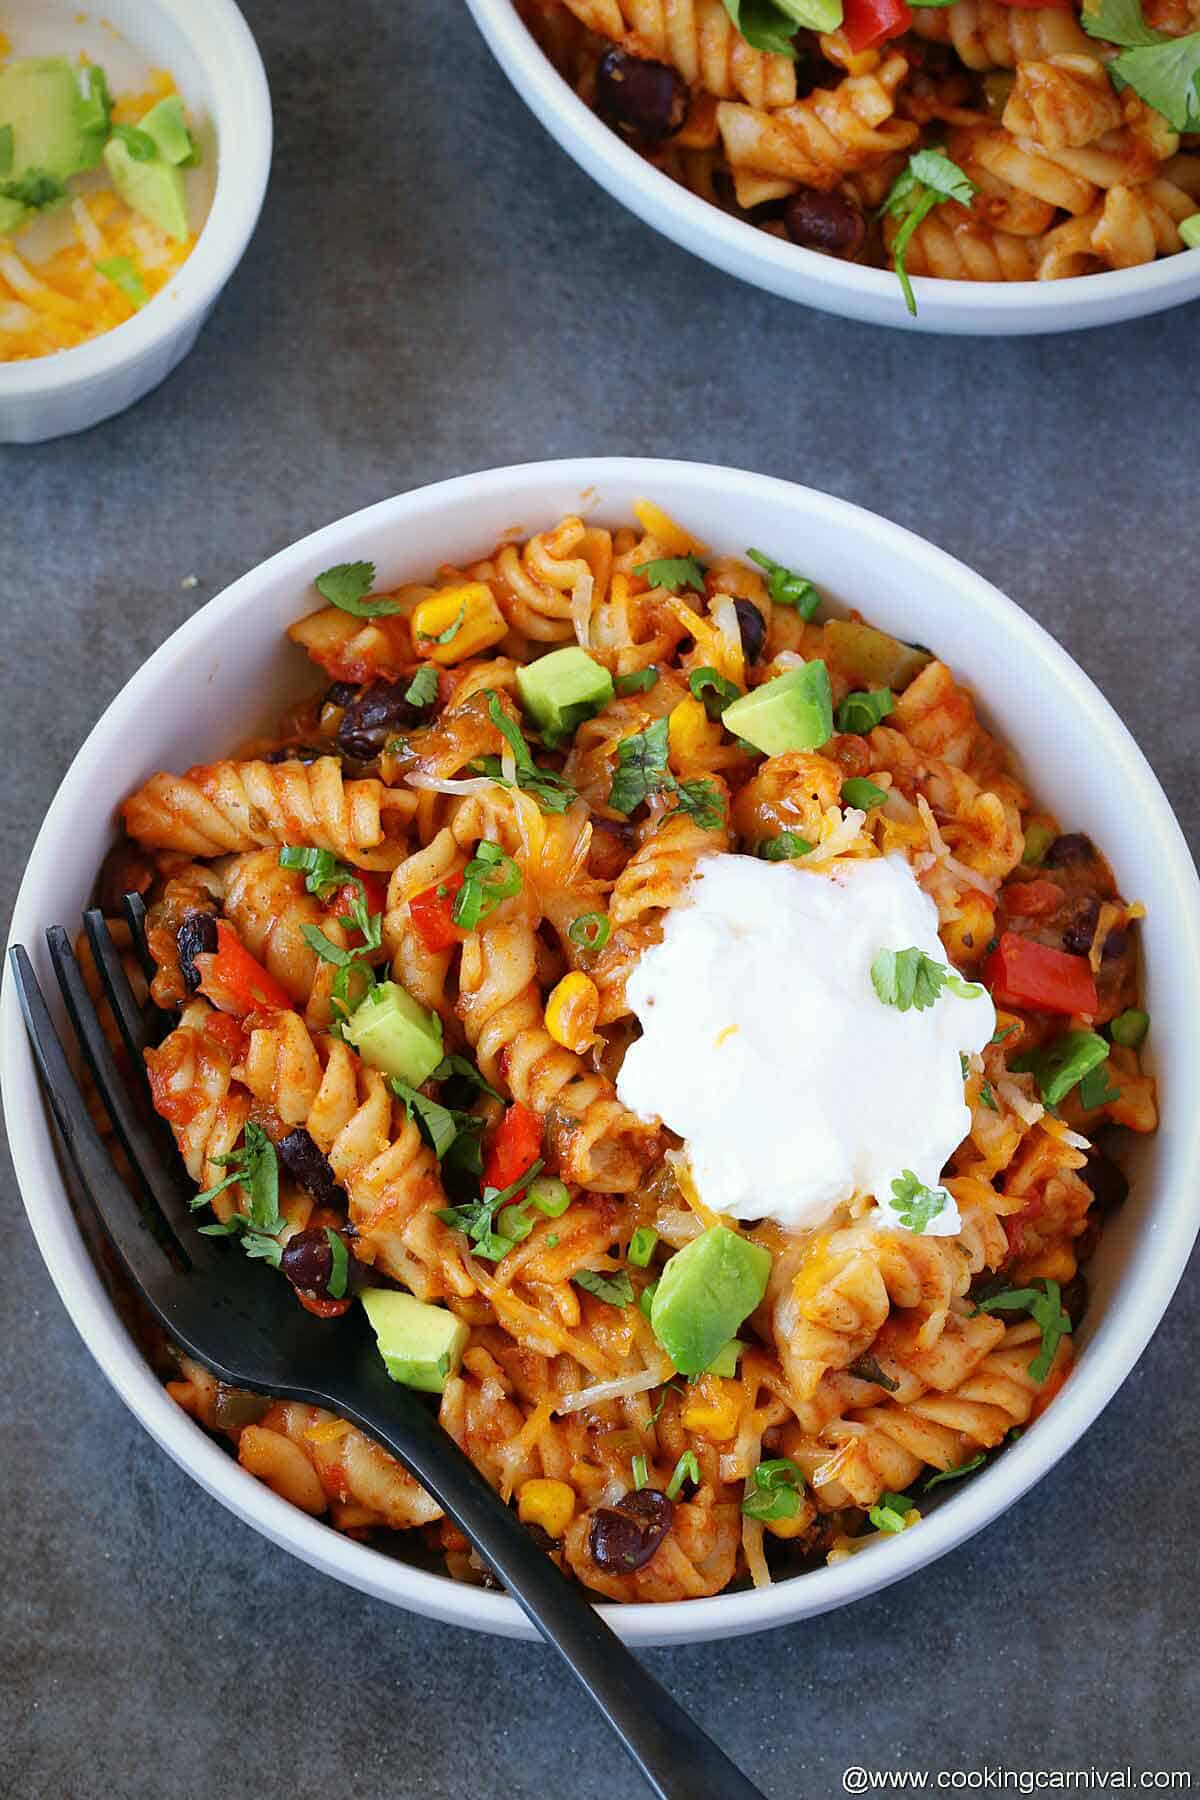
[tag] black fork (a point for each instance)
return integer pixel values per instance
(227, 1312)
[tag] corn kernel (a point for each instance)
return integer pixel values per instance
(687, 733)
(571, 1012)
(968, 936)
(550, 1504)
(672, 538)
(712, 1409)
(473, 613)
(794, 1527)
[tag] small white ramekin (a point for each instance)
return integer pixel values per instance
(961, 308)
(208, 48)
(224, 674)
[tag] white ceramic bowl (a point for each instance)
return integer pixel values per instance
(221, 675)
(208, 49)
(986, 308)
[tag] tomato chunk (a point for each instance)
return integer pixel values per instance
(515, 1146)
(870, 22)
(1022, 973)
(1032, 899)
(321, 1308)
(431, 910)
(232, 979)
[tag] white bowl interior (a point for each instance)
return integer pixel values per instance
(225, 672)
(986, 308)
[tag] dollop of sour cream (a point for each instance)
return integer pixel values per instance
(766, 1048)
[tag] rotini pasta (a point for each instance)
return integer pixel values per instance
(416, 976)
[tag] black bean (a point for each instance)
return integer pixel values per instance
(1074, 847)
(306, 1164)
(340, 694)
(197, 936)
(641, 99)
(301, 753)
(1107, 1182)
(307, 1261)
(826, 222)
(752, 627)
(1077, 936)
(1075, 1298)
(624, 1537)
(379, 713)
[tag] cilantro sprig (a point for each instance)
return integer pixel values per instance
(346, 586)
(422, 689)
(477, 1217)
(552, 793)
(1044, 1305)
(908, 978)
(915, 1205)
(929, 179)
(254, 1167)
(615, 1290)
(642, 771)
(1163, 71)
(673, 572)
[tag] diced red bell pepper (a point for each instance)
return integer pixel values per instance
(1022, 973)
(430, 911)
(515, 1146)
(1032, 899)
(870, 22)
(233, 980)
(321, 1308)
(375, 892)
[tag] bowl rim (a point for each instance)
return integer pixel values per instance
(1162, 1253)
(757, 256)
(244, 130)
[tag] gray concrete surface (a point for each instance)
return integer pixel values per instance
(435, 288)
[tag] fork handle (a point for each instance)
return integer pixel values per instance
(677, 1759)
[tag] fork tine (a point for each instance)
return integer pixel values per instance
(143, 1256)
(144, 1152)
(134, 908)
(130, 1018)
(151, 1148)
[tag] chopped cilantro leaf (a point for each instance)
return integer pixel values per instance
(916, 1205)
(987, 1097)
(422, 689)
(616, 1289)
(641, 768)
(1095, 1089)
(1118, 22)
(976, 1462)
(255, 1168)
(929, 179)
(452, 630)
(36, 188)
(638, 681)
(908, 978)
(702, 802)
(346, 586)
(1045, 1308)
(673, 572)
(339, 1268)
(552, 793)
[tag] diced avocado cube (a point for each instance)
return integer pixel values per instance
(791, 712)
(13, 217)
(421, 1345)
(41, 100)
(165, 123)
(154, 189)
(725, 1362)
(393, 1033)
(563, 689)
(871, 658)
(704, 1293)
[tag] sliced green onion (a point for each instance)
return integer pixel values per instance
(549, 1195)
(966, 1468)
(774, 1489)
(686, 1469)
(713, 690)
(489, 879)
(784, 847)
(641, 1246)
(1130, 1028)
(1059, 1065)
(1038, 840)
(124, 275)
(861, 712)
(860, 792)
(514, 1223)
(590, 931)
(890, 1512)
(641, 1473)
(645, 1299)
(638, 681)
